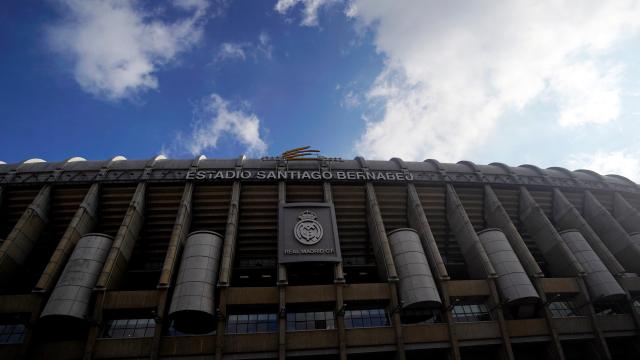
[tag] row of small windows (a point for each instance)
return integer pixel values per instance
(245, 323)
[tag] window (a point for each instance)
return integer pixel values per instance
(564, 308)
(421, 316)
(470, 312)
(126, 328)
(610, 308)
(636, 306)
(251, 323)
(310, 320)
(365, 318)
(11, 333)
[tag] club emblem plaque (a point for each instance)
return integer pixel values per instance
(307, 232)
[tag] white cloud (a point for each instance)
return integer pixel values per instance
(231, 51)
(242, 50)
(117, 47)
(214, 119)
(309, 11)
(620, 162)
(452, 69)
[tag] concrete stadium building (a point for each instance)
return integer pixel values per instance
(318, 258)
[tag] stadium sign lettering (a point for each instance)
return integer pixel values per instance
(353, 175)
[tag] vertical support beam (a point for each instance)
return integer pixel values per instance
(226, 266)
(124, 242)
(601, 343)
(338, 280)
(560, 259)
(116, 264)
(282, 288)
(566, 217)
(418, 221)
(378, 234)
(626, 214)
(22, 239)
(383, 254)
(625, 248)
(82, 223)
(496, 216)
(477, 261)
(178, 234)
(472, 250)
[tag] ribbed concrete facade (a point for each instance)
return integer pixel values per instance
(180, 259)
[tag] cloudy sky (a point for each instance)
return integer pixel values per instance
(553, 83)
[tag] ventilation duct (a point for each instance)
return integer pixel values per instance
(601, 284)
(192, 306)
(71, 295)
(513, 283)
(417, 287)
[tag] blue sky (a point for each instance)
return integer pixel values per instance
(511, 81)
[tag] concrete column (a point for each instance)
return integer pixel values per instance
(475, 256)
(567, 217)
(625, 214)
(125, 240)
(496, 216)
(385, 263)
(226, 266)
(282, 289)
(338, 280)
(418, 220)
(82, 223)
(624, 247)
(178, 234)
(384, 259)
(477, 260)
(558, 256)
(18, 245)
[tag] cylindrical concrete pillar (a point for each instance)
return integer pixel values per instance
(417, 287)
(192, 306)
(513, 283)
(71, 296)
(600, 282)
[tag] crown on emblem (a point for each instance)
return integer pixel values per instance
(307, 215)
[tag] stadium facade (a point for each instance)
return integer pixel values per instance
(318, 258)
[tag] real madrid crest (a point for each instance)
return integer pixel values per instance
(307, 230)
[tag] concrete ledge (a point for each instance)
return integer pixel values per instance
(25, 303)
(527, 327)
(252, 295)
(559, 285)
(425, 333)
(620, 322)
(463, 288)
(477, 330)
(370, 336)
(313, 293)
(361, 292)
(573, 325)
(119, 348)
(321, 339)
(241, 343)
(131, 299)
(187, 345)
